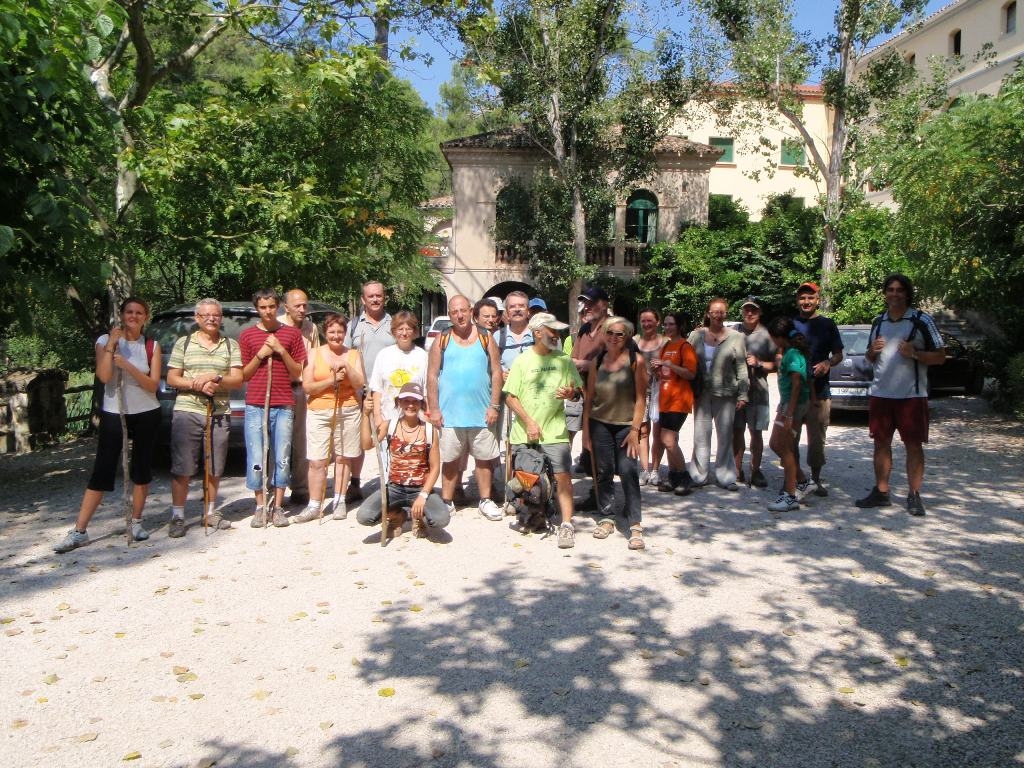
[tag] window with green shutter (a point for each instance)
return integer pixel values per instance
(642, 217)
(725, 145)
(793, 152)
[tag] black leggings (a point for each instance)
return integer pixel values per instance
(142, 431)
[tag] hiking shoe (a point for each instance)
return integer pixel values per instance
(306, 515)
(731, 487)
(177, 528)
(299, 499)
(138, 532)
(73, 540)
(874, 499)
(340, 511)
(785, 503)
(820, 489)
(758, 480)
(665, 486)
(279, 520)
(914, 504)
(217, 521)
(490, 510)
(566, 536)
(741, 477)
(644, 477)
(259, 518)
(354, 492)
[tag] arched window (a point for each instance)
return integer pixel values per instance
(642, 217)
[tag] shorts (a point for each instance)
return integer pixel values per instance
(346, 433)
(755, 416)
(672, 420)
(908, 415)
(188, 443)
(574, 415)
(558, 454)
(799, 415)
(478, 441)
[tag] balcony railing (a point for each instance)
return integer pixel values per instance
(620, 254)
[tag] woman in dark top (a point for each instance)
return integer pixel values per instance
(613, 413)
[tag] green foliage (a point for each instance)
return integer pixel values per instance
(1012, 392)
(961, 196)
(725, 213)
(51, 135)
(53, 341)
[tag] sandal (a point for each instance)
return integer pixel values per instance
(604, 529)
(636, 538)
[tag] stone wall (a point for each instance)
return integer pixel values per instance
(32, 409)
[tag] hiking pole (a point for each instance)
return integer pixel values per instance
(266, 442)
(207, 460)
(331, 457)
(508, 454)
(383, 483)
(125, 495)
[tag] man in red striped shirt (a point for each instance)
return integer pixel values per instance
(272, 356)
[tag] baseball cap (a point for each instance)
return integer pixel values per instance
(499, 302)
(411, 389)
(593, 294)
(808, 287)
(750, 301)
(546, 320)
(538, 303)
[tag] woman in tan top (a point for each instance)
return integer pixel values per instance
(613, 413)
(331, 379)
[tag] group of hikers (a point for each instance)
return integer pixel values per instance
(504, 371)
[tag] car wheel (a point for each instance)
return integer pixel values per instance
(976, 384)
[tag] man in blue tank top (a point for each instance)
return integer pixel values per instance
(463, 397)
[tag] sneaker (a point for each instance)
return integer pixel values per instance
(138, 532)
(914, 504)
(217, 521)
(299, 499)
(785, 503)
(354, 492)
(665, 486)
(741, 477)
(279, 520)
(73, 540)
(450, 506)
(490, 510)
(820, 489)
(758, 480)
(731, 487)
(566, 536)
(801, 489)
(645, 477)
(306, 515)
(259, 518)
(177, 528)
(340, 511)
(874, 499)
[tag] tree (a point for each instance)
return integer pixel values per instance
(771, 59)
(563, 73)
(960, 188)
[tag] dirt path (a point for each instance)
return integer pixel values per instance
(829, 637)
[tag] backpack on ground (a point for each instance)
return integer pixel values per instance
(531, 490)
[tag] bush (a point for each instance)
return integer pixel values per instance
(1011, 392)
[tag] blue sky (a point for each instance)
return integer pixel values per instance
(814, 16)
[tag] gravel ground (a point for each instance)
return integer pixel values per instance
(828, 637)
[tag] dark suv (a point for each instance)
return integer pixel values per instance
(170, 324)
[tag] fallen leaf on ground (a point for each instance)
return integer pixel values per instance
(415, 608)
(846, 689)
(12, 632)
(291, 752)
(902, 661)
(522, 663)
(196, 696)
(386, 692)
(297, 616)
(178, 670)
(326, 725)
(132, 756)
(18, 723)
(87, 737)
(259, 695)
(188, 677)
(50, 679)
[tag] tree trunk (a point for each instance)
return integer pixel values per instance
(381, 35)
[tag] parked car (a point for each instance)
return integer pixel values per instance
(170, 324)
(441, 324)
(849, 381)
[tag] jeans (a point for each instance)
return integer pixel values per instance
(279, 456)
(611, 459)
(719, 412)
(435, 513)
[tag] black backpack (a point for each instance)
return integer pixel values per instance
(916, 325)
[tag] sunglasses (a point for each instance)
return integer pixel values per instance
(618, 334)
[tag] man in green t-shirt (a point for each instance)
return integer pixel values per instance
(204, 367)
(538, 383)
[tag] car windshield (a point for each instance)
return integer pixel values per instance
(855, 340)
(168, 329)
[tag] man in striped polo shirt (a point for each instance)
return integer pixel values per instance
(204, 367)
